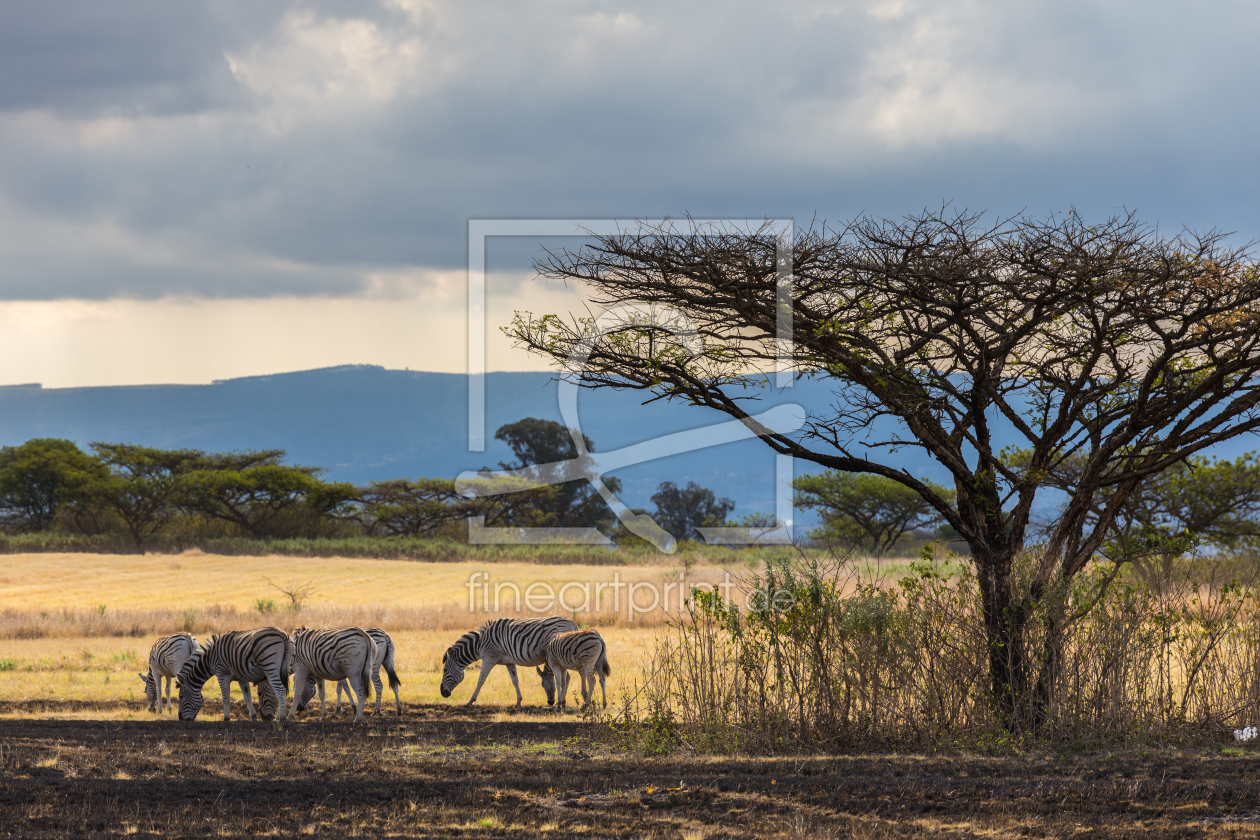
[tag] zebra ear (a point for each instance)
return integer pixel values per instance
(143, 678)
(541, 672)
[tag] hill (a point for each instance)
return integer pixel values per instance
(363, 422)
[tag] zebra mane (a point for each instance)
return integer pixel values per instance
(467, 648)
(191, 663)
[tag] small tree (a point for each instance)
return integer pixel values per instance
(1199, 500)
(400, 507)
(261, 499)
(144, 487)
(867, 509)
(537, 443)
(680, 511)
(39, 477)
(1105, 340)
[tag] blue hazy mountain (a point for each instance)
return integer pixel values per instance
(363, 423)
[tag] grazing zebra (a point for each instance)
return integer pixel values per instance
(165, 659)
(333, 655)
(503, 641)
(583, 651)
(246, 656)
(384, 658)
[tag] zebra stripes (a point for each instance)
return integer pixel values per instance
(333, 655)
(503, 641)
(585, 652)
(166, 657)
(246, 656)
(384, 658)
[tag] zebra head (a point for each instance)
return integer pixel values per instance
(548, 683)
(150, 690)
(192, 678)
(308, 692)
(452, 672)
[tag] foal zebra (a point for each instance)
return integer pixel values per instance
(583, 651)
(332, 655)
(167, 656)
(246, 656)
(503, 641)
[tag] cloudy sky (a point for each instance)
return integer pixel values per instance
(192, 191)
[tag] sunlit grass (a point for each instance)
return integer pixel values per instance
(104, 669)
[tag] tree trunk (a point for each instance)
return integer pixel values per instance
(1003, 627)
(1051, 657)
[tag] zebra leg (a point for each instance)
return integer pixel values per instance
(168, 682)
(511, 669)
(323, 704)
(602, 690)
(341, 684)
(360, 690)
(588, 686)
(281, 691)
(225, 685)
(380, 688)
(299, 679)
(562, 687)
(397, 700)
(486, 666)
(249, 696)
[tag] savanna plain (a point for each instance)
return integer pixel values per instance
(81, 756)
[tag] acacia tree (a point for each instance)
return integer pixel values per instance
(1198, 500)
(144, 486)
(857, 507)
(1105, 340)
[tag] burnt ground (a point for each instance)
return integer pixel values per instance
(446, 772)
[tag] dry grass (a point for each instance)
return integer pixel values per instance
(85, 595)
(59, 643)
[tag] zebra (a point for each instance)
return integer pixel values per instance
(246, 656)
(384, 657)
(166, 657)
(506, 641)
(332, 655)
(585, 652)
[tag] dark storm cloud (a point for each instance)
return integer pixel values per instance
(255, 149)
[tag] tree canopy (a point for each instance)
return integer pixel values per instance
(681, 510)
(538, 443)
(871, 511)
(39, 477)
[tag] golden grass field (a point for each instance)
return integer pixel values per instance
(79, 626)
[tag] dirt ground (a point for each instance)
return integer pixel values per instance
(442, 771)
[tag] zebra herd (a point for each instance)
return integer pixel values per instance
(352, 658)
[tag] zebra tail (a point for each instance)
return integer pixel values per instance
(368, 660)
(603, 665)
(286, 667)
(394, 682)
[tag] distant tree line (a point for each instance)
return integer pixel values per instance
(141, 492)
(1200, 500)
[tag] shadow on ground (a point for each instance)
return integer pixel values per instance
(441, 771)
